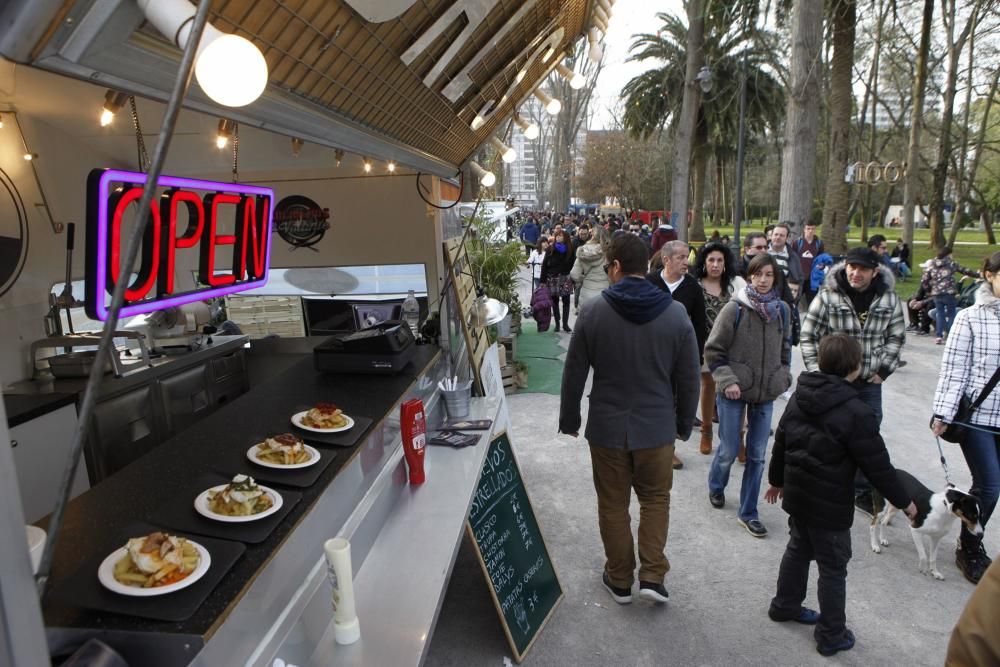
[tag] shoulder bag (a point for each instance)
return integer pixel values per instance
(958, 428)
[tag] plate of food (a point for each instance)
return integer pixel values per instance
(154, 564)
(323, 418)
(239, 501)
(283, 451)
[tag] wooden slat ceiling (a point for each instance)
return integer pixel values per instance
(326, 53)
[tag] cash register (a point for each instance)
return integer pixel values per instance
(385, 348)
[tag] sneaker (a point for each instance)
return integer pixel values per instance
(653, 592)
(902, 363)
(718, 500)
(972, 561)
(619, 595)
(939, 341)
(806, 616)
(863, 503)
(845, 644)
(754, 527)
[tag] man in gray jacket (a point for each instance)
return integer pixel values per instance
(644, 353)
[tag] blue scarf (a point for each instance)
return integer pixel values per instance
(767, 305)
(560, 247)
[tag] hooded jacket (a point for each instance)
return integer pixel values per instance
(745, 350)
(588, 271)
(881, 336)
(970, 358)
(825, 434)
(642, 348)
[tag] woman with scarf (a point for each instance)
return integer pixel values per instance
(970, 359)
(715, 269)
(555, 273)
(749, 354)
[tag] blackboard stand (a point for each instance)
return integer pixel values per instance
(511, 550)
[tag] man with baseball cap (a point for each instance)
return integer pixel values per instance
(858, 298)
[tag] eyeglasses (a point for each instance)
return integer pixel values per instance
(758, 247)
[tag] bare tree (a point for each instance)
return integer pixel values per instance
(802, 117)
(916, 123)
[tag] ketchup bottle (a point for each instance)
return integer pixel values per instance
(411, 420)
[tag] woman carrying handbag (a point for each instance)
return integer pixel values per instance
(970, 369)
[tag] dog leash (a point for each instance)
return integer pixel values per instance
(944, 464)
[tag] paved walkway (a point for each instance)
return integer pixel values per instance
(721, 578)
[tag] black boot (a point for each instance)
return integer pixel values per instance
(971, 559)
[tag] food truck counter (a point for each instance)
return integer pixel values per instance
(159, 489)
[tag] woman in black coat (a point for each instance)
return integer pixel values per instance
(555, 273)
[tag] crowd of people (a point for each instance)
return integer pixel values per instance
(727, 346)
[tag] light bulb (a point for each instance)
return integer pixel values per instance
(577, 81)
(231, 71)
(224, 133)
(368, 166)
(30, 156)
(477, 122)
(221, 141)
(531, 132)
(507, 154)
(106, 117)
(392, 167)
(486, 178)
(296, 146)
(553, 107)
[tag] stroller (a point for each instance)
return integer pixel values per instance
(541, 307)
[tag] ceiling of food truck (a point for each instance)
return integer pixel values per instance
(399, 79)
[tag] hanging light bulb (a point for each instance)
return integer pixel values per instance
(28, 157)
(224, 134)
(552, 105)
(391, 167)
(338, 155)
(529, 129)
(477, 122)
(296, 146)
(230, 69)
(507, 153)
(113, 102)
(368, 165)
(487, 178)
(576, 80)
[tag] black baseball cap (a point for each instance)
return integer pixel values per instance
(863, 257)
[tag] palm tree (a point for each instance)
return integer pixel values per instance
(653, 100)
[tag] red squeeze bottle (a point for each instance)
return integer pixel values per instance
(411, 420)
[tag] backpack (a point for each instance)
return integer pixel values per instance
(541, 307)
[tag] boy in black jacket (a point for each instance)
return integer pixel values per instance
(824, 435)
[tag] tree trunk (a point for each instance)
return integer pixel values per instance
(684, 138)
(698, 191)
(798, 163)
(987, 218)
(837, 191)
(970, 179)
(916, 124)
(717, 194)
(955, 47)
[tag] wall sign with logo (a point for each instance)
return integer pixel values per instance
(300, 221)
(228, 228)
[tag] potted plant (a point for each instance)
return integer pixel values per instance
(494, 264)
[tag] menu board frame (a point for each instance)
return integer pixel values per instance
(528, 512)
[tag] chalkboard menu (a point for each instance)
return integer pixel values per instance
(511, 549)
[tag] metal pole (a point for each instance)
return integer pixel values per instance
(740, 152)
(118, 296)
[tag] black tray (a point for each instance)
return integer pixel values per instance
(341, 439)
(180, 513)
(82, 588)
(235, 460)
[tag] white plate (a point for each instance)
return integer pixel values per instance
(201, 506)
(313, 459)
(106, 575)
(297, 420)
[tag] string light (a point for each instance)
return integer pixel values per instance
(224, 134)
(507, 153)
(392, 167)
(529, 129)
(576, 80)
(552, 105)
(486, 178)
(368, 165)
(113, 102)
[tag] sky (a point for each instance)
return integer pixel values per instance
(629, 17)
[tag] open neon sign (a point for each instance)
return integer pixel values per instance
(208, 205)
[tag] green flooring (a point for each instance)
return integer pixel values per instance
(541, 353)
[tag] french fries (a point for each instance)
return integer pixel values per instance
(283, 457)
(325, 415)
(126, 572)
